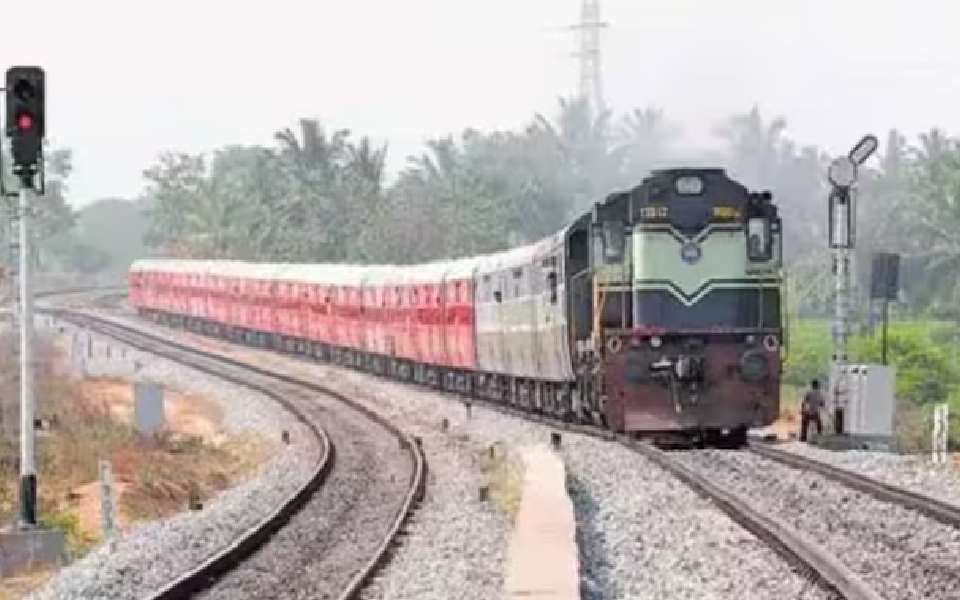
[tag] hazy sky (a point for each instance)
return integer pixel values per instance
(129, 79)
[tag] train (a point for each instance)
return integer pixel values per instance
(655, 313)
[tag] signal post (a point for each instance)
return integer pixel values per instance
(26, 545)
(842, 220)
(24, 87)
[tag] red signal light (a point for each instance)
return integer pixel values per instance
(24, 122)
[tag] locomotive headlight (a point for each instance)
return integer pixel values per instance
(753, 365)
(656, 342)
(689, 185)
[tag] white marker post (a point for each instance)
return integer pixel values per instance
(941, 429)
(108, 515)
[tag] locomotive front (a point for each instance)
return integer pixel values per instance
(687, 332)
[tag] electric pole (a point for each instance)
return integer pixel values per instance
(591, 82)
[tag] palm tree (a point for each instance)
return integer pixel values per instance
(646, 137)
(314, 155)
(754, 146)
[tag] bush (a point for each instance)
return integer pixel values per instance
(925, 369)
(922, 352)
(808, 353)
(69, 523)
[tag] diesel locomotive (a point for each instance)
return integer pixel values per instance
(657, 312)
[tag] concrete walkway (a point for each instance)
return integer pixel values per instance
(542, 558)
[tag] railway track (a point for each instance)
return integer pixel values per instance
(945, 513)
(821, 564)
(898, 552)
(351, 500)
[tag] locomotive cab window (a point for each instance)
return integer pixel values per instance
(613, 242)
(759, 239)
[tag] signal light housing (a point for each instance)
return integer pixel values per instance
(25, 113)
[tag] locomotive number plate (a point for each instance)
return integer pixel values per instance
(653, 212)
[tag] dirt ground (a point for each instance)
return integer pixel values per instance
(185, 415)
(21, 585)
(153, 476)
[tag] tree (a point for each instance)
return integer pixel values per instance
(647, 139)
(113, 230)
(176, 185)
(933, 218)
(52, 216)
(754, 147)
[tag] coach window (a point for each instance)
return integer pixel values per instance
(552, 286)
(517, 282)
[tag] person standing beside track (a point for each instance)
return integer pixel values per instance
(810, 408)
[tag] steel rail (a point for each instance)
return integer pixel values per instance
(944, 512)
(205, 574)
(786, 540)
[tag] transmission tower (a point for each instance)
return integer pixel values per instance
(591, 83)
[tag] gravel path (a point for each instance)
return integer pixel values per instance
(898, 552)
(642, 534)
(913, 472)
(150, 554)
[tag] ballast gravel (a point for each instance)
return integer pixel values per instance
(915, 472)
(152, 554)
(641, 533)
(898, 552)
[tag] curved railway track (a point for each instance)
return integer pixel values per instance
(815, 559)
(297, 396)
